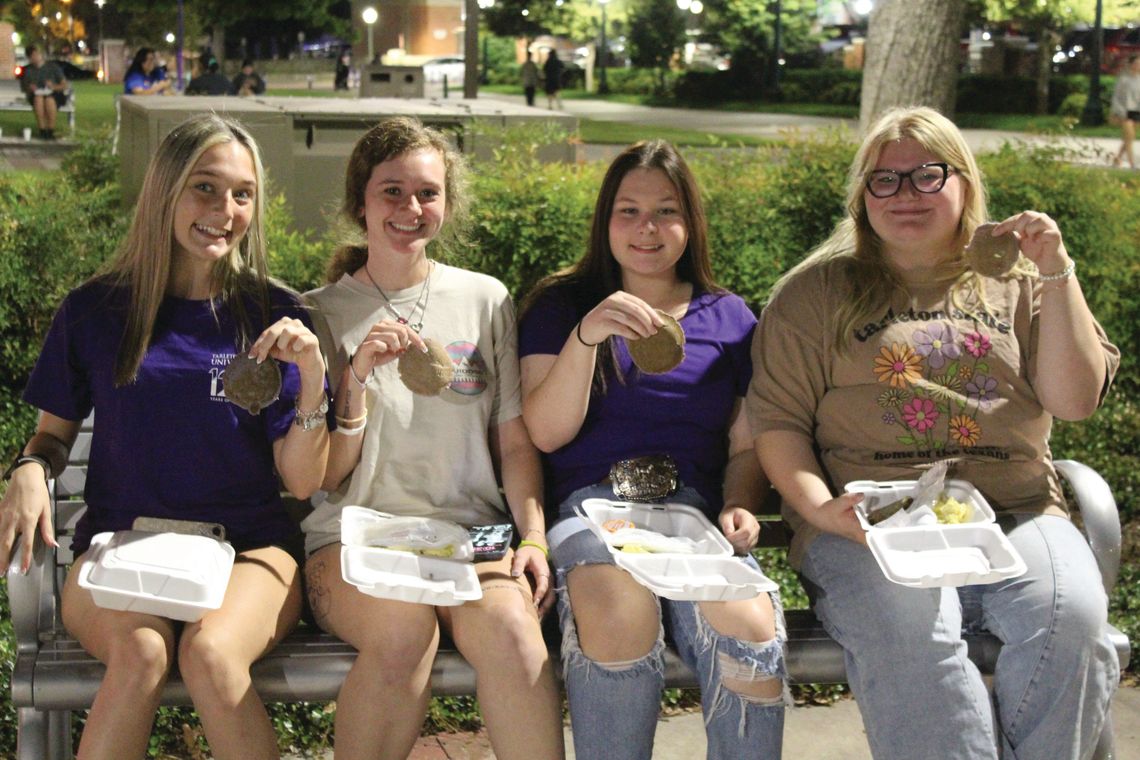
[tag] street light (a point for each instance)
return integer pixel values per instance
(370, 15)
(603, 88)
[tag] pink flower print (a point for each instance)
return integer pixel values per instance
(920, 414)
(965, 430)
(977, 344)
(981, 389)
(938, 343)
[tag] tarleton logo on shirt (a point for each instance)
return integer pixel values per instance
(470, 370)
(218, 363)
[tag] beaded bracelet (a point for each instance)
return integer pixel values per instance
(545, 551)
(1064, 274)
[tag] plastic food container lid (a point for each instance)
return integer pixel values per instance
(408, 577)
(923, 556)
(712, 573)
(173, 575)
(357, 523)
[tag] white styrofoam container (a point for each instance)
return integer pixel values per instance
(924, 556)
(173, 575)
(712, 573)
(355, 523)
(400, 575)
(408, 577)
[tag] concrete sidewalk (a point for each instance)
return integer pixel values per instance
(1085, 150)
(810, 733)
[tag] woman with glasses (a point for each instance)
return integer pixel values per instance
(888, 348)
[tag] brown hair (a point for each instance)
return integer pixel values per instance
(390, 139)
(597, 274)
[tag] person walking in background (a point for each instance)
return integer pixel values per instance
(247, 81)
(343, 69)
(529, 78)
(46, 90)
(552, 80)
(1125, 109)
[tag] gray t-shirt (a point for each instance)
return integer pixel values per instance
(425, 455)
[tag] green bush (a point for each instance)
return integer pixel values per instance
(766, 206)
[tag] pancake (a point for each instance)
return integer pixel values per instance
(661, 352)
(250, 385)
(426, 373)
(992, 256)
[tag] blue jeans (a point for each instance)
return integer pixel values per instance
(614, 706)
(918, 692)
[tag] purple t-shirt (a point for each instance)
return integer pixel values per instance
(684, 413)
(170, 444)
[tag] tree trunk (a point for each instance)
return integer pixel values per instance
(912, 56)
(1046, 39)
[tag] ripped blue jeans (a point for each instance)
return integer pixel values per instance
(614, 706)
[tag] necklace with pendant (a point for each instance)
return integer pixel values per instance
(421, 301)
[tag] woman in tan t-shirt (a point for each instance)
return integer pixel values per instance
(888, 349)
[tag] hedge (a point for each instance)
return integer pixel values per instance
(766, 207)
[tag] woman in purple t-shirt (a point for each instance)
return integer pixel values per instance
(144, 343)
(588, 408)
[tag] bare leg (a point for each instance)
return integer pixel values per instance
(262, 604)
(501, 637)
(1128, 137)
(606, 599)
(137, 650)
(383, 700)
(751, 620)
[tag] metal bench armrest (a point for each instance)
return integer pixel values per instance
(32, 596)
(1099, 514)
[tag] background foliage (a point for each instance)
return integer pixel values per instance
(766, 207)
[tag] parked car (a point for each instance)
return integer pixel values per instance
(450, 66)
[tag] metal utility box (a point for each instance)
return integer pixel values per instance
(305, 142)
(381, 81)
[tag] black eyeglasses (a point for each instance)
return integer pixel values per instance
(928, 178)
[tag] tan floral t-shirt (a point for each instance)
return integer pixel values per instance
(928, 377)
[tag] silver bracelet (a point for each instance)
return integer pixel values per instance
(1064, 274)
(362, 383)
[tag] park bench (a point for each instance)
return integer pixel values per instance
(12, 99)
(54, 676)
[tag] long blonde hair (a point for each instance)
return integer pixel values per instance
(390, 139)
(854, 243)
(142, 263)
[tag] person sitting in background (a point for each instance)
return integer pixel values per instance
(46, 89)
(213, 82)
(145, 76)
(248, 81)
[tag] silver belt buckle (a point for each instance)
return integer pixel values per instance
(650, 478)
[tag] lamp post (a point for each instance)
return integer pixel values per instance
(99, 4)
(774, 69)
(370, 15)
(603, 88)
(1093, 115)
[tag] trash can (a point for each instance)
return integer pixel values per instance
(380, 81)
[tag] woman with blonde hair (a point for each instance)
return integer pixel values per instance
(145, 345)
(440, 451)
(890, 347)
